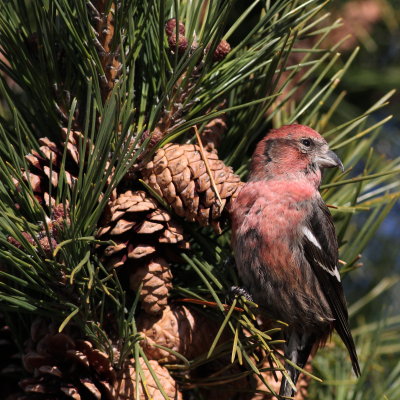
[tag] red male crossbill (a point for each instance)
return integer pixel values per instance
(285, 244)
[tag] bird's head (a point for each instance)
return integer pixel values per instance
(292, 151)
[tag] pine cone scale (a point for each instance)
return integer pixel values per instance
(122, 226)
(149, 227)
(140, 251)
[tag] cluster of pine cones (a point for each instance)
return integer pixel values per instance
(147, 237)
(196, 186)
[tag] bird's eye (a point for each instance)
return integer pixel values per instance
(306, 142)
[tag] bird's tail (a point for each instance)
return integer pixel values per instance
(345, 334)
(297, 349)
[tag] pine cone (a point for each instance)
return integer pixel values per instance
(181, 329)
(178, 174)
(142, 232)
(157, 282)
(55, 224)
(45, 166)
(179, 44)
(170, 27)
(137, 224)
(63, 366)
(221, 51)
(124, 388)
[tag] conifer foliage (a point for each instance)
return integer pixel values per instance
(126, 128)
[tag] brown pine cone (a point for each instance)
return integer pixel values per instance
(221, 51)
(55, 223)
(124, 388)
(180, 45)
(156, 277)
(143, 232)
(62, 366)
(170, 27)
(138, 226)
(179, 174)
(181, 329)
(45, 166)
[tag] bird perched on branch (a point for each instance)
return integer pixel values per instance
(285, 243)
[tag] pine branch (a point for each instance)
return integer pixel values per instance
(105, 87)
(106, 44)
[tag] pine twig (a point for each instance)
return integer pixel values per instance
(107, 53)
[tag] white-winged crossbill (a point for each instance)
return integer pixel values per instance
(285, 244)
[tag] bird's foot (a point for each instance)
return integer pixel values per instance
(240, 291)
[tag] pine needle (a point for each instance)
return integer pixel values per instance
(205, 159)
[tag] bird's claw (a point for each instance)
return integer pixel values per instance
(240, 291)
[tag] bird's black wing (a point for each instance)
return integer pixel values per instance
(321, 251)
